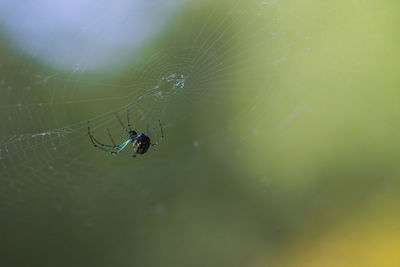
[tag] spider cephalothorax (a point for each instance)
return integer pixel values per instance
(141, 142)
(132, 133)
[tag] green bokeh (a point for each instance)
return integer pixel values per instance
(287, 127)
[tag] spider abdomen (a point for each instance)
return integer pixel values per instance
(141, 144)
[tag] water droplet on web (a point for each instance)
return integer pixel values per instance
(169, 84)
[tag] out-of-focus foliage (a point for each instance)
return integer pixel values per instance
(281, 149)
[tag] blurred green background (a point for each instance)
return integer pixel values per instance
(280, 149)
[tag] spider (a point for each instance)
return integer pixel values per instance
(141, 142)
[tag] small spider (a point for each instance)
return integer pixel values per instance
(141, 142)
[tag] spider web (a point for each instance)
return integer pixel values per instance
(210, 65)
(189, 72)
(45, 111)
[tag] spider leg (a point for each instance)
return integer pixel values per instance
(123, 145)
(127, 118)
(119, 150)
(155, 127)
(162, 135)
(97, 143)
(120, 122)
(112, 140)
(106, 150)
